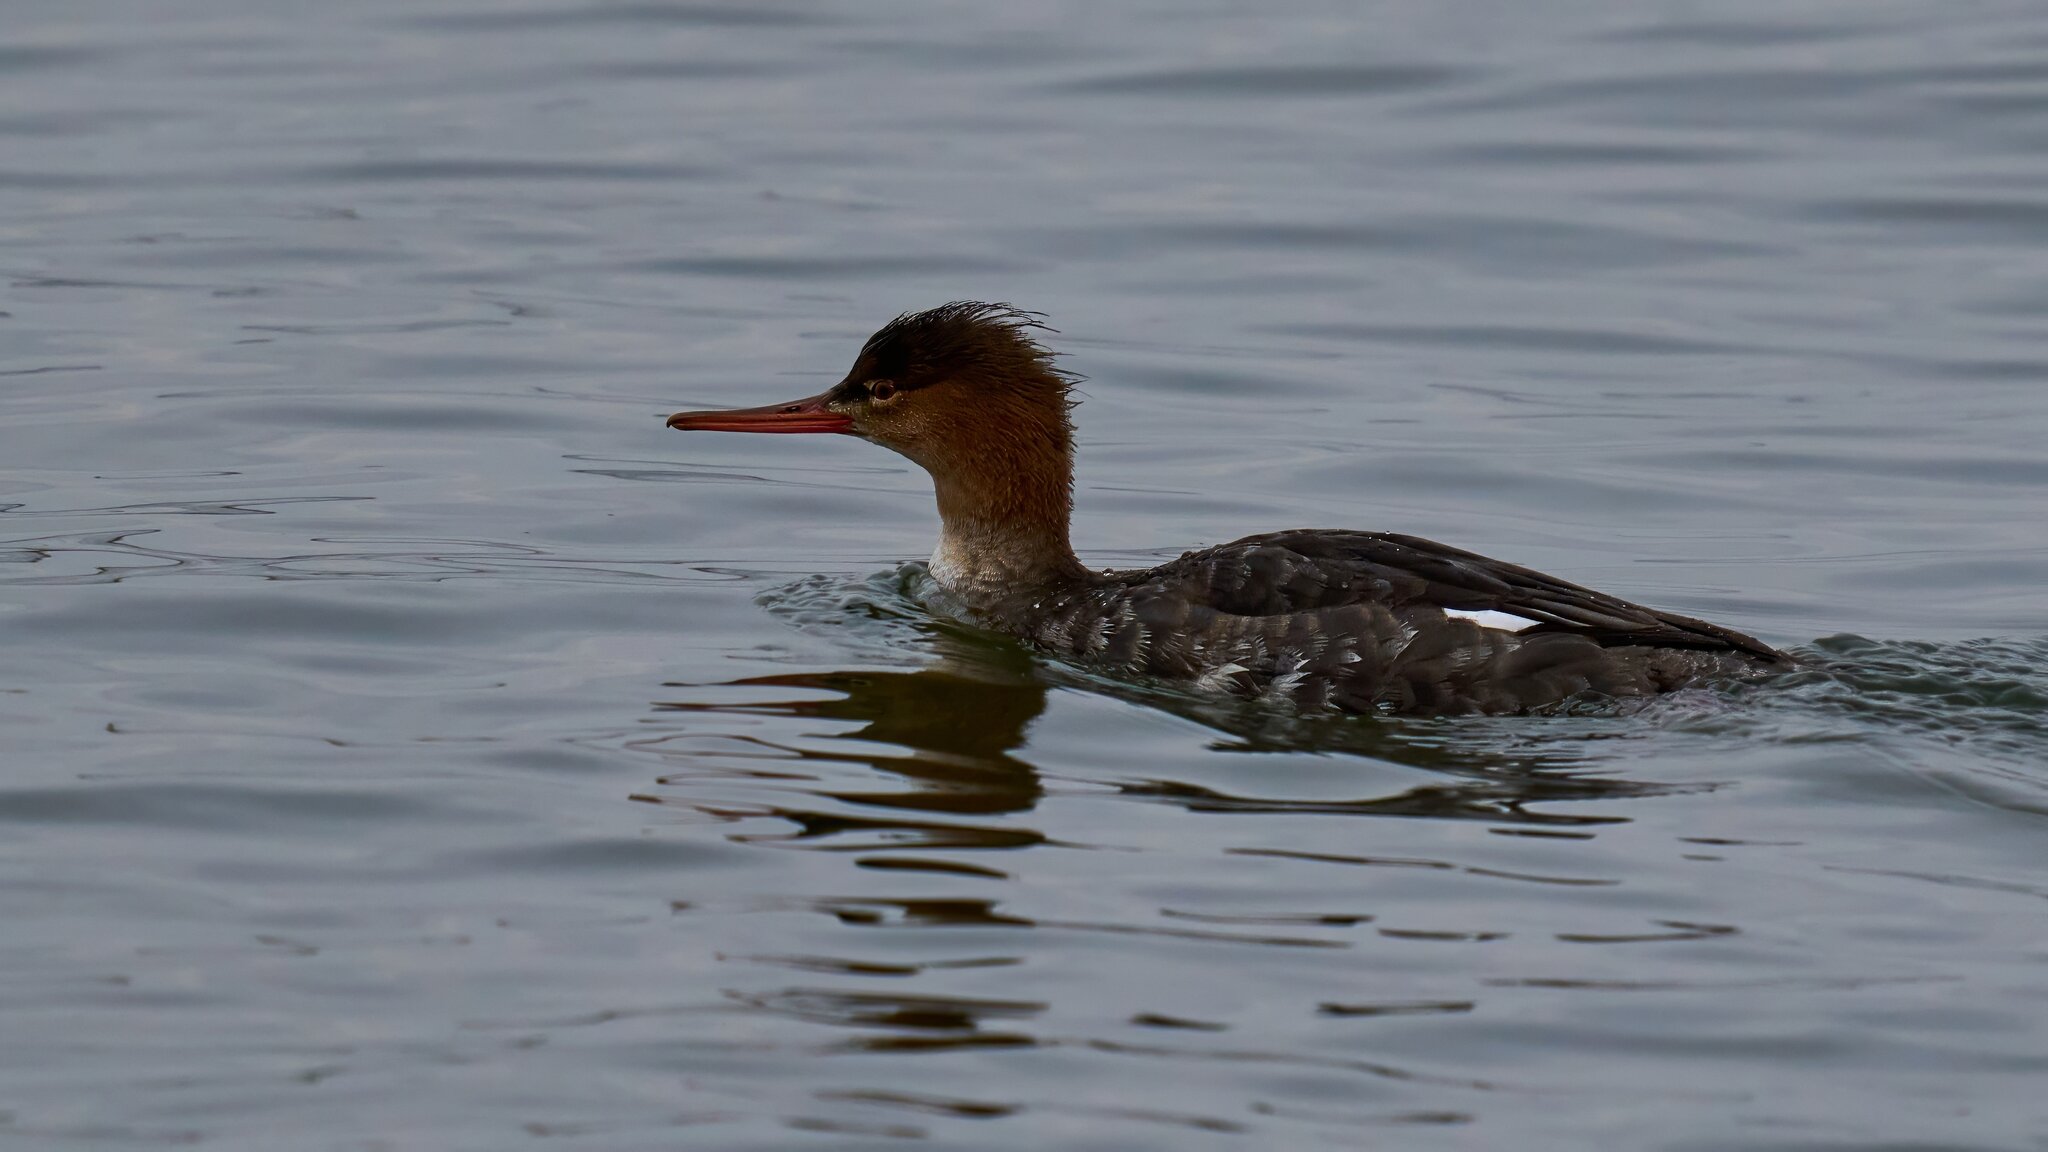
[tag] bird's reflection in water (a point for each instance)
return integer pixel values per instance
(925, 772)
(945, 740)
(946, 731)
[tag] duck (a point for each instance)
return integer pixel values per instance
(1317, 620)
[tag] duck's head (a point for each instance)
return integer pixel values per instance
(960, 388)
(966, 392)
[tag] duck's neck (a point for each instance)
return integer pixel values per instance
(1003, 528)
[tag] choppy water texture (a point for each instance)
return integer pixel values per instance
(408, 744)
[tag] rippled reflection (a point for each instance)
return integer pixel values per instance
(932, 744)
(951, 740)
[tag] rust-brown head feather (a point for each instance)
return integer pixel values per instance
(965, 391)
(990, 345)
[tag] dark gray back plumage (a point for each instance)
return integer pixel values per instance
(1356, 621)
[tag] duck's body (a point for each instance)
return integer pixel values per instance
(1370, 622)
(1326, 619)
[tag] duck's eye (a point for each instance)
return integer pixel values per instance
(881, 390)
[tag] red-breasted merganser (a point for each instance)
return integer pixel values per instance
(1325, 618)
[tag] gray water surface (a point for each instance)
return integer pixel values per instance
(407, 743)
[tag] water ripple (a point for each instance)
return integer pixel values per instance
(1237, 82)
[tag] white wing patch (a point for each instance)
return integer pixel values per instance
(1489, 618)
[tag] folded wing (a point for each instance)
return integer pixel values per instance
(1308, 571)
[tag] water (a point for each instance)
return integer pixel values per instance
(410, 744)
